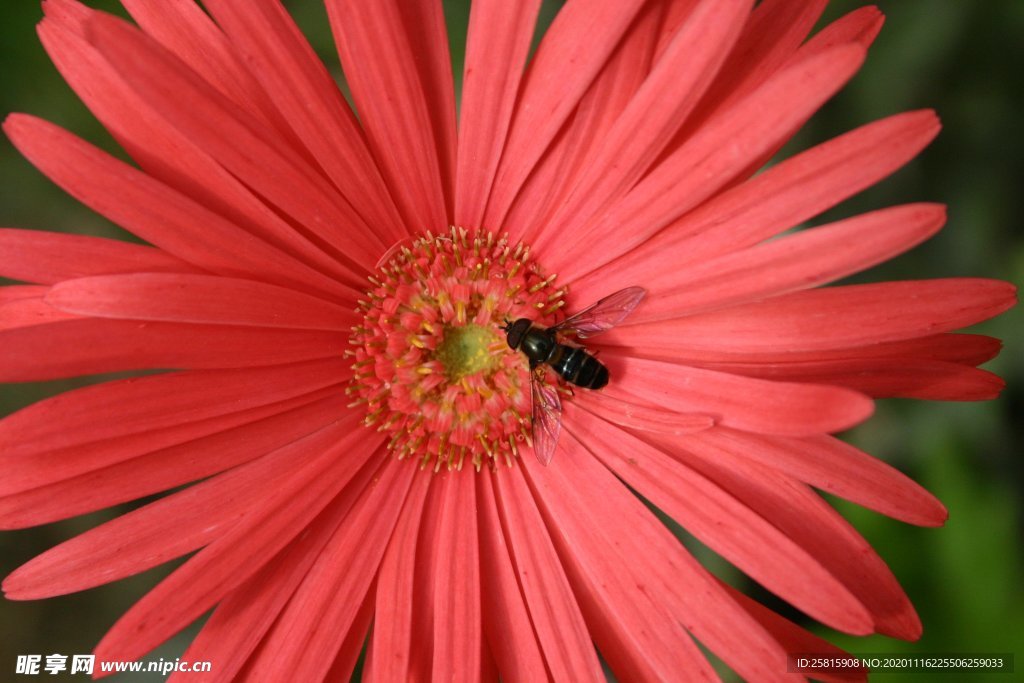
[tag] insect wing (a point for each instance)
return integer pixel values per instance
(547, 418)
(603, 315)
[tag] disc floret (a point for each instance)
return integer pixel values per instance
(431, 363)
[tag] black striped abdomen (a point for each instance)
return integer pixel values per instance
(578, 367)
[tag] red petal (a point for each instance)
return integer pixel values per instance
(185, 30)
(31, 465)
(279, 515)
(673, 14)
(781, 197)
(653, 114)
(226, 133)
(239, 622)
(165, 153)
(881, 377)
(68, 11)
(969, 349)
(22, 293)
(496, 47)
(260, 431)
(965, 349)
(829, 318)
(407, 130)
(807, 519)
(20, 310)
(828, 38)
(561, 631)
(862, 25)
(146, 404)
(724, 524)
(796, 640)
(506, 619)
(802, 186)
(139, 539)
(427, 35)
(49, 257)
(392, 641)
(198, 299)
(735, 401)
(310, 101)
(698, 169)
(636, 583)
(421, 651)
(573, 51)
(153, 211)
(770, 37)
(570, 152)
(313, 626)
(635, 632)
(640, 416)
(830, 465)
(805, 259)
(456, 571)
(95, 345)
(354, 645)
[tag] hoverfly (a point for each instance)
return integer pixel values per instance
(573, 363)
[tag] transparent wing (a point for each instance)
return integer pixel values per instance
(604, 315)
(547, 417)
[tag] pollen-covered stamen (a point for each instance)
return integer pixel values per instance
(432, 365)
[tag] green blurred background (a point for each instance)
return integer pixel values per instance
(964, 59)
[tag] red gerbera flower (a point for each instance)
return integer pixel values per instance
(305, 280)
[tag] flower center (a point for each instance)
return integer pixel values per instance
(466, 350)
(431, 361)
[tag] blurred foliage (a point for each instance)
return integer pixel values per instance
(963, 59)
